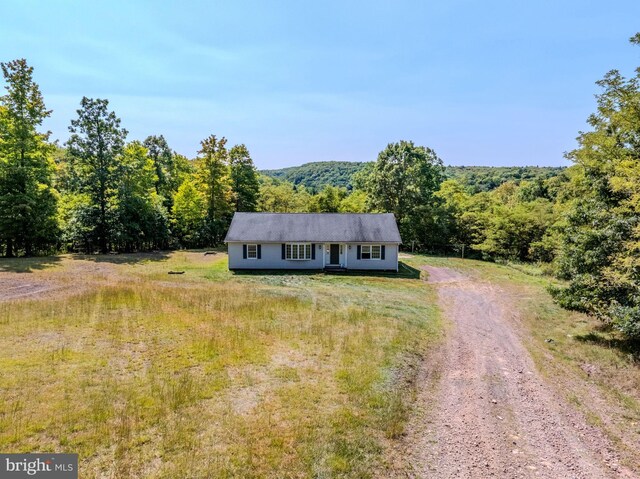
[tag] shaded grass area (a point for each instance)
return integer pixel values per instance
(27, 265)
(210, 374)
(596, 369)
(606, 339)
(404, 271)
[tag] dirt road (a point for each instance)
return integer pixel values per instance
(493, 414)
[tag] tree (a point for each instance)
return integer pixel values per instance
(283, 197)
(329, 199)
(93, 152)
(453, 204)
(212, 172)
(27, 198)
(512, 230)
(244, 179)
(162, 158)
(189, 213)
(141, 217)
(600, 246)
(354, 202)
(182, 169)
(403, 181)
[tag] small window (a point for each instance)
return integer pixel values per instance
(252, 251)
(370, 252)
(295, 251)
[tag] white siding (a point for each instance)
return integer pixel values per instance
(390, 261)
(271, 258)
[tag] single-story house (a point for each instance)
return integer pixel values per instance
(354, 241)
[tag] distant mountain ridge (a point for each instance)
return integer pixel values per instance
(316, 175)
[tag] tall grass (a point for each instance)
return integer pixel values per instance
(213, 374)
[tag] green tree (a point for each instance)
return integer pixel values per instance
(453, 204)
(600, 246)
(189, 213)
(244, 179)
(512, 231)
(182, 169)
(330, 199)
(283, 197)
(93, 152)
(27, 198)
(212, 172)
(142, 219)
(162, 157)
(354, 202)
(403, 181)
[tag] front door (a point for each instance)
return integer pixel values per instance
(334, 254)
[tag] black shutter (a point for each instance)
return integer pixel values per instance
(260, 252)
(382, 252)
(244, 251)
(359, 251)
(313, 251)
(283, 250)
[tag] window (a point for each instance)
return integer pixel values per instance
(298, 251)
(370, 252)
(252, 251)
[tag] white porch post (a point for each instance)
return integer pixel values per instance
(346, 254)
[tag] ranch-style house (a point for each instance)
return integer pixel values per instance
(344, 241)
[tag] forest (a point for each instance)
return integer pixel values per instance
(315, 176)
(100, 192)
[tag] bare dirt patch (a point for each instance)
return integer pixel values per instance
(492, 413)
(69, 276)
(444, 275)
(14, 287)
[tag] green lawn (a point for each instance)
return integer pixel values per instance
(209, 373)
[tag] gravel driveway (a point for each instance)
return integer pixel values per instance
(494, 415)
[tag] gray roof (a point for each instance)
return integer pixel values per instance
(314, 227)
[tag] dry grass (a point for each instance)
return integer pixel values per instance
(209, 374)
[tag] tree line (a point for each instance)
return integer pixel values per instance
(100, 193)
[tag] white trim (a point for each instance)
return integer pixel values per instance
(346, 254)
(256, 246)
(298, 245)
(323, 255)
(370, 246)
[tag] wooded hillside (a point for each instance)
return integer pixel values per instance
(314, 176)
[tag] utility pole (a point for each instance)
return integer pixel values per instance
(463, 251)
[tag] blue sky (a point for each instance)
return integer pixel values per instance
(481, 82)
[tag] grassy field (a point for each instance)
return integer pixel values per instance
(214, 374)
(209, 373)
(595, 369)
